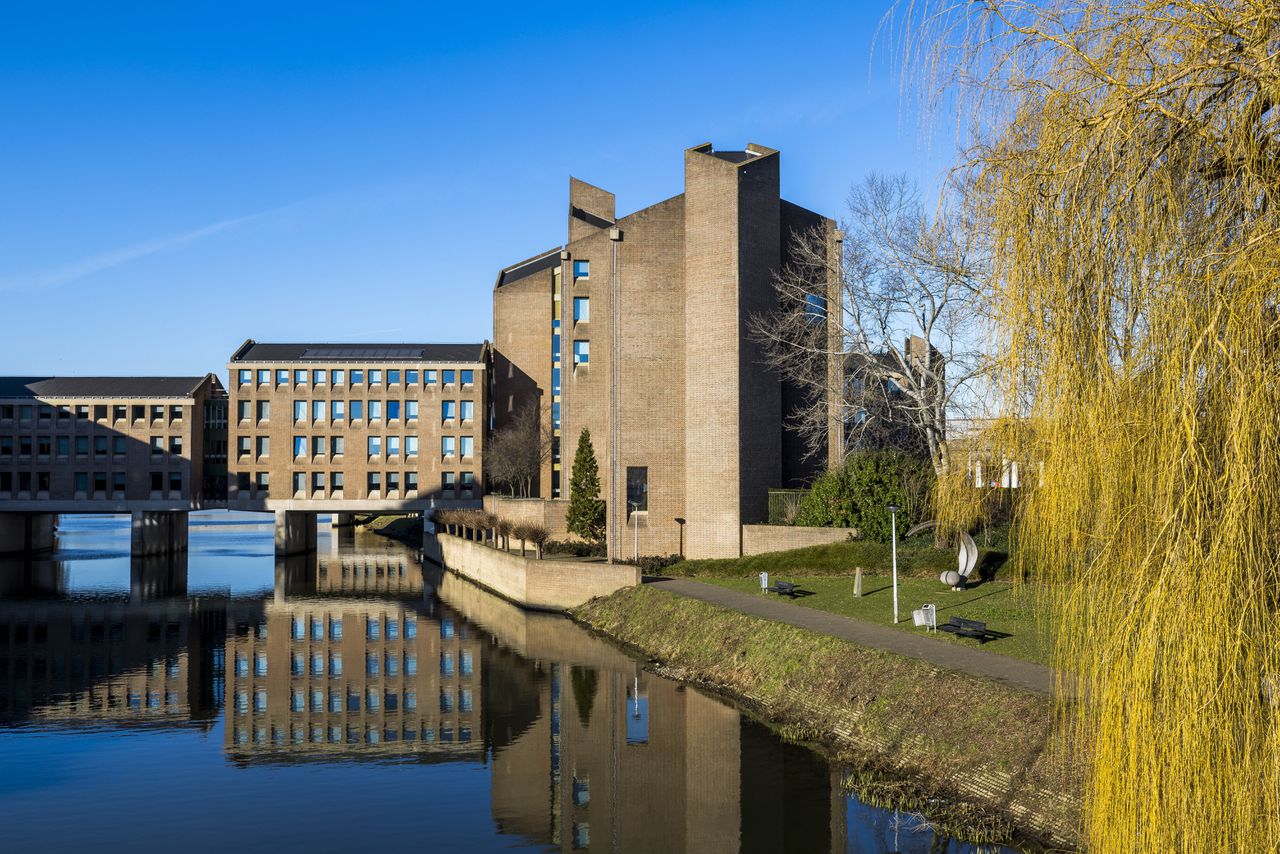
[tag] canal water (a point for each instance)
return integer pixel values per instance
(354, 700)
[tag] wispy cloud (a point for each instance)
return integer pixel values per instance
(66, 273)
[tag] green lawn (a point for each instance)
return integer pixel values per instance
(916, 556)
(1000, 605)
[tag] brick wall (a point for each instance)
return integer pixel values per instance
(758, 539)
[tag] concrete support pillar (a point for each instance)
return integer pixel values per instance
(158, 576)
(158, 532)
(295, 532)
(27, 533)
(342, 520)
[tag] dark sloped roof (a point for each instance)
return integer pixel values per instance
(99, 386)
(529, 266)
(255, 352)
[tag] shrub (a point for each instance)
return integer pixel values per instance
(654, 564)
(575, 548)
(857, 494)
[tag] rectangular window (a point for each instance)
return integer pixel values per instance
(410, 446)
(6, 447)
(63, 446)
(335, 663)
(447, 481)
(411, 481)
(375, 377)
(299, 446)
(447, 377)
(335, 633)
(337, 377)
(393, 410)
(357, 376)
(99, 482)
(335, 481)
(393, 481)
(375, 410)
(139, 412)
(44, 446)
(581, 309)
(357, 410)
(317, 410)
(582, 269)
(317, 446)
(468, 377)
(299, 483)
(318, 377)
(264, 446)
(82, 483)
(447, 446)
(374, 482)
(375, 446)
(118, 412)
(339, 445)
(411, 377)
(244, 376)
(82, 446)
(117, 481)
(468, 481)
(411, 410)
(242, 481)
(637, 489)
(393, 377)
(262, 481)
(468, 408)
(317, 481)
(300, 377)
(282, 376)
(175, 481)
(264, 410)
(338, 410)
(448, 410)
(428, 377)
(242, 446)
(581, 352)
(175, 445)
(373, 630)
(466, 445)
(157, 481)
(393, 446)
(299, 410)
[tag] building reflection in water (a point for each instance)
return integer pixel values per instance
(365, 655)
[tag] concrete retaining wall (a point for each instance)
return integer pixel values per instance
(550, 585)
(758, 539)
(549, 513)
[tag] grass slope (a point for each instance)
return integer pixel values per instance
(963, 739)
(916, 556)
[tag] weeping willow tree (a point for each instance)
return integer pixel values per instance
(1127, 176)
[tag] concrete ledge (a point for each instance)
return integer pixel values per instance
(547, 585)
(758, 539)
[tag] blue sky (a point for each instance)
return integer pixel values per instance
(177, 177)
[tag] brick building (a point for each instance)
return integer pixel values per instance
(645, 316)
(355, 427)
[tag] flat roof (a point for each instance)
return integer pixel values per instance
(255, 352)
(33, 387)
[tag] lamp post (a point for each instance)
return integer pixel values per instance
(635, 515)
(893, 527)
(680, 522)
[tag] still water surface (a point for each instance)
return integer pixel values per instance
(355, 701)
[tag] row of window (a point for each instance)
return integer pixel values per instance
(336, 411)
(338, 702)
(376, 664)
(61, 446)
(336, 446)
(339, 376)
(354, 735)
(335, 481)
(117, 411)
(101, 482)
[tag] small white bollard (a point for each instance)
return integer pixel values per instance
(764, 581)
(857, 583)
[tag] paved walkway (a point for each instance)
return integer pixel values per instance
(952, 656)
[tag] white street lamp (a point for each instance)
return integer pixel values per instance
(893, 526)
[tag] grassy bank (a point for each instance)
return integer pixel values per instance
(1005, 608)
(916, 557)
(977, 745)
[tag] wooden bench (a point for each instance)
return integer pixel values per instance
(969, 629)
(785, 588)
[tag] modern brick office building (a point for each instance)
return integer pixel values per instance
(686, 422)
(104, 445)
(355, 427)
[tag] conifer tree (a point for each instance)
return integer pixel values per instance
(586, 509)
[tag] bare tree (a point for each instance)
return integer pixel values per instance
(514, 456)
(900, 324)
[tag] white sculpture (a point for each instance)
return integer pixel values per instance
(966, 558)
